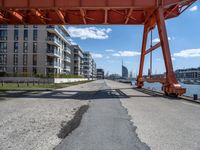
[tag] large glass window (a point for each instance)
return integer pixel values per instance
(16, 46)
(16, 35)
(35, 35)
(25, 47)
(3, 47)
(3, 59)
(15, 59)
(25, 59)
(34, 60)
(34, 47)
(34, 70)
(25, 35)
(3, 34)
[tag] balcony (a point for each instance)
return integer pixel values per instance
(56, 30)
(53, 52)
(53, 41)
(67, 68)
(53, 64)
(67, 59)
(66, 49)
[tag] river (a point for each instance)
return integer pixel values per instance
(190, 88)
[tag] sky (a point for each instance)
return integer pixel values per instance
(110, 45)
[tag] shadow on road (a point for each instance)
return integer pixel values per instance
(68, 94)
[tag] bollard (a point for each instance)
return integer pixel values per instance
(17, 83)
(195, 97)
(2, 83)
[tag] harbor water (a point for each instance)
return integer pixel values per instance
(191, 89)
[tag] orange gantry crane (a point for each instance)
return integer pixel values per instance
(103, 12)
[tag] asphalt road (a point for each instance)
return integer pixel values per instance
(106, 126)
(119, 118)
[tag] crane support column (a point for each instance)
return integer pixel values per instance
(140, 81)
(170, 84)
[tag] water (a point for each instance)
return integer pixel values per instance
(190, 88)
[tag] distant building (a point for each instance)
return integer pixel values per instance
(100, 74)
(188, 74)
(31, 50)
(89, 66)
(114, 77)
(94, 69)
(124, 72)
(77, 60)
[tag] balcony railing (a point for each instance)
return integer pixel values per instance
(53, 64)
(53, 39)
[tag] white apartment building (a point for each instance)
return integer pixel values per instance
(77, 59)
(34, 50)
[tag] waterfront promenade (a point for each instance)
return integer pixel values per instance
(119, 117)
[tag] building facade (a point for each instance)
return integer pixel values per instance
(100, 74)
(87, 65)
(94, 69)
(77, 60)
(34, 50)
(124, 72)
(188, 74)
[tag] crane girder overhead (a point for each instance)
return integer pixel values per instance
(86, 11)
(103, 12)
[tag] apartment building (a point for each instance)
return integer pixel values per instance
(87, 64)
(77, 60)
(100, 73)
(94, 69)
(34, 50)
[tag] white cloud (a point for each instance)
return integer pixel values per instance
(194, 8)
(126, 53)
(96, 55)
(109, 50)
(173, 59)
(156, 40)
(89, 33)
(188, 53)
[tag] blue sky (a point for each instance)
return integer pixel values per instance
(112, 44)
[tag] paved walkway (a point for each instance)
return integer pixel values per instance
(106, 126)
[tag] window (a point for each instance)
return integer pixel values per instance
(25, 70)
(15, 59)
(25, 59)
(3, 47)
(16, 35)
(3, 59)
(3, 34)
(35, 26)
(25, 47)
(25, 35)
(34, 47)
(15, 47)
(15, 69)
(34, 60)
(25, 26)
(34, 70)
(3, 26)
(34, 35)
(16, 26)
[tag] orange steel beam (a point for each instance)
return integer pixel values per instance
(153, 48)
(101, 12)
(61, 16)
